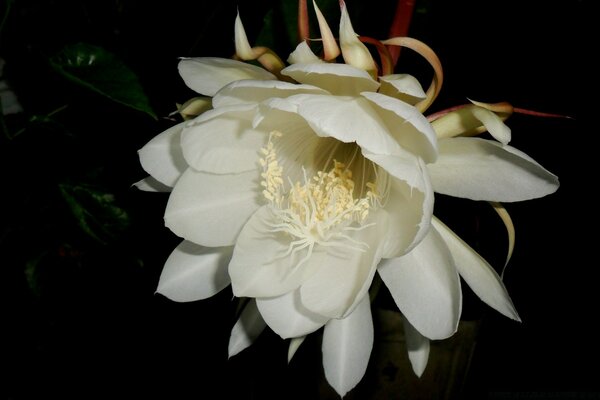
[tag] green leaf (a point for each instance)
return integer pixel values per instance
(98, 70)
(96, 211)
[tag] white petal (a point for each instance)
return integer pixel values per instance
(210, 209)
(248, 92)
(194, 272)
(287, 317)
(149, 184)
(218, 112)
(458, 122)
(407, 125)
(207, 75)
(481, 169)
(302, 54)
(162, 157)
(404, 166)
(294, 346)
(346, 119)
(242, 47)
(246, 329)
(410, 210)
(345, 274)
(417, 346)
(425, 286)
(478, 274)
(493, 124)
(338, 79)
(224, 144)
(258, 267)
(354, 51)
(347, 345)
(402, 86)
(330, 47)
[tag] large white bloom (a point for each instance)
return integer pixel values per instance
(298, 187)
(297, 190)
(312, 187)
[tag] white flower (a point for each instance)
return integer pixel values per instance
(298, 177)
(306, 186)
(304, 181)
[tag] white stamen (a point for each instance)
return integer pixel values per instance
(322, 208)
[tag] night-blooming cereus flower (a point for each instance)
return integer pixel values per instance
(302, 182)
(295, 191)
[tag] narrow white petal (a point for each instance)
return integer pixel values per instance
(347, 345)
(337, 79)
(403, 87)
(249, 91)
(478, 274)
(162, 157)
(406, 124)
(295, 344)
(242, 47)
(302, 54)
(330, 47)
(224, 144)
(207, 75)
(287, 317)
(481, 169)
(425, 286)
(246, 329)
(260, 266)
(194, 272)
(458, 122)
(418, 348)
(345, 274)
(354, 51)
(494, 125)
(149, 184)
(211, 209)
(346, 119)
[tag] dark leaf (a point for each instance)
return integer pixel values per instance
(96, 211)
(98, 70)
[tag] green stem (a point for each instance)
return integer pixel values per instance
(59, 109)
(34, 118)
(6, 13)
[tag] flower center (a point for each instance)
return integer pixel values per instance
(322, 209)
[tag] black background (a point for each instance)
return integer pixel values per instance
(101, 332)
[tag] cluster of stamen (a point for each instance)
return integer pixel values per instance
(321, 209)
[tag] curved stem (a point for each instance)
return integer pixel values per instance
(429, 55)
(387, 64)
